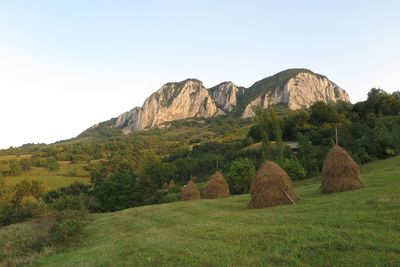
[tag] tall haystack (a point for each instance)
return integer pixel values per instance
(171, 184)
(190, 191)
(217, 187)
(271, 186)
(340, 172)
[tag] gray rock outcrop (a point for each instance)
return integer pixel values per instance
(300, 91)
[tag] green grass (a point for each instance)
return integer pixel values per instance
(356, 228)
(50, 181)
(56, 179)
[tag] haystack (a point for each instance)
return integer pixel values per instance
(165, 186)
(217, 187)
(271, 186)
(190, 191)
(171, 184)
(340, 172)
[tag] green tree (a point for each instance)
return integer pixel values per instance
(15, 167)
(25, 164)
(118, 191)
(239, 175)
(52, 164)
(159, 172)
(324, 113)
(307, 155)
(270, 129)
(294, 169)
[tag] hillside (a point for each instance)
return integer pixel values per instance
(357, 228)
(292, 88)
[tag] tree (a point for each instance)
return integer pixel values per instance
(323, 113)
(2, 186)
(159, 172)
(270, 129)
(52, 164)
(118, 191)
(25, 164)
(26, 189)
(15, 167)
(294, 169)
(307, 155)
(239, 175)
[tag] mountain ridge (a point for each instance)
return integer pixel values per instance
(295, 88)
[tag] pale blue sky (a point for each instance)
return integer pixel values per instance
(65, 65)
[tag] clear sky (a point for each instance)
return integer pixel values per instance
(68, 64)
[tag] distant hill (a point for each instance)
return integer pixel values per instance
(293, 88)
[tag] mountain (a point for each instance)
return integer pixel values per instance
(294, 88)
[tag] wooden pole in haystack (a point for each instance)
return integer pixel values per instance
(291, 199)
(337, 141)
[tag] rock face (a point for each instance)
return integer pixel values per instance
(300, 91)
(225, 95)
(129, 121)
(173, 101)
(295, 88)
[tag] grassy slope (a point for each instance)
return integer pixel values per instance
(65, 175)
(357, 228)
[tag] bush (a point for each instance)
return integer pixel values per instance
(239, 175)
(10, 213)
(69, 202)
(171, 197)
(68, 227)
(21, 243)
(14, 167)
(294, 169)
(21, 202)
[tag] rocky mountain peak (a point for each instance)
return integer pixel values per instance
(173, 101)
(225, 95)
(295, 88)
(299, 91)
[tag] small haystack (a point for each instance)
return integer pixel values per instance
(165, 186)
(217, 187)
(171, 184)
(271, 186)
(190, 191)
(340, 172)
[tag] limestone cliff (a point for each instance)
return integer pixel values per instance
(173, 101)
(300, 91)
(225, 95)
(295, 88)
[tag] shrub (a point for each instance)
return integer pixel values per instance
(239, 175)
(294, 169)
(68, 227)
(171, 197)
(10, 213)
(14, 167)
(25, 164)
(69, 202)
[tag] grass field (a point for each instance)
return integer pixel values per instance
(357, 228)
(65, 175)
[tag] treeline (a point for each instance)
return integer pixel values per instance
(132, 170)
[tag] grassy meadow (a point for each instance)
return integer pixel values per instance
(355, 228)
(66, 174)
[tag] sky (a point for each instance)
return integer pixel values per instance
(66, 65)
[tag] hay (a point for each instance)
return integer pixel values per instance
(164, 186)
(340, 172)
(217, 187)
(171, 184)
(190, 191)
(271, 186)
